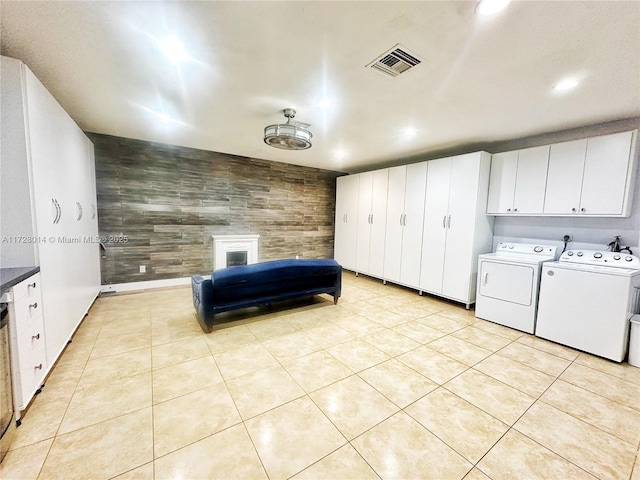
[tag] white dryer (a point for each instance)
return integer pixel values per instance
(508, 284)
(587, 299)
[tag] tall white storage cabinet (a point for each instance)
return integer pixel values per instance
(456, 228)
(405, 211)
(48, 201)
(372, 212)
(346, 223)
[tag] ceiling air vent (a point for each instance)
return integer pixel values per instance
(395, 61)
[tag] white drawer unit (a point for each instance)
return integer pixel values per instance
(28, 353)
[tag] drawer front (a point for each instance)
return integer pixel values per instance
(25, 312)
(31, 360)
(29, 288)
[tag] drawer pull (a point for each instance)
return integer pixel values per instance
(34, 305)
(38, 367)
(35, 337)
(32, 285)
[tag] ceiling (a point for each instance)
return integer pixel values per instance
(481, 79)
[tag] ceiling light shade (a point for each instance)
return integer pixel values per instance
(491, 7)
(290, 135)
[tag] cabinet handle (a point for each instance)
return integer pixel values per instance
(35, 337)
(38, 367)
(583, 209)
(401, 215)
(372, 219)
(508, 209)
(449, 222)
(573, 209)
(94, 211)
(32, 285)
(34, 305)
(58, 211)
(515, 209)
(405, 220)
(485, 278)
(346, 218)
(444, 222)
(79, 207)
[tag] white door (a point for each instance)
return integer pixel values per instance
(502, 183)
(434, 234)
(52, 200)
(378, 222)
(346, 229)
(605, 174)
(564, 179)
(459, 261)
(506, 282)
(394, 230)
(531, 180)
(363, 238)
(413, 221)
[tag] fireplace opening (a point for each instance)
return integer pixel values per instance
(235, 259)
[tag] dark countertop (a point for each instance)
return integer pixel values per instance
(12, 276)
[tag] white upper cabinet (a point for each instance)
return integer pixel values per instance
(588, 177)
(564, 181)
(591, 177)
(517, 184)
(346, 228)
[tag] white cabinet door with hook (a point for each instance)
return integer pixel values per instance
(456, 228)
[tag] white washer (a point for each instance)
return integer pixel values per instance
(587, 299)
(508, 283)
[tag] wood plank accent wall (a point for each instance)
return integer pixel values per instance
(168, 201)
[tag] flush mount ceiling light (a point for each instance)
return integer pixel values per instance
(288, 136)
(566, 84)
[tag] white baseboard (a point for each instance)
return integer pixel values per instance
(145, 285)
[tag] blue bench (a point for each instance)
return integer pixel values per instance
(262, 284)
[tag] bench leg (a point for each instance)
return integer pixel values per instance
(335, 300)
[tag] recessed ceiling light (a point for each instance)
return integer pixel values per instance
(491, 7)
(409, 132)
(173, 49)
(566, 84)
(325, 103)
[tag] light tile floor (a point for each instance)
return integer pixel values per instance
(387, 384)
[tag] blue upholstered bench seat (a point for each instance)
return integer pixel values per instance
(263, 283)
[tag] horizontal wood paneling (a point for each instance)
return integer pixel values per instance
(168, 201)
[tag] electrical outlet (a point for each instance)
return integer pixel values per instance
(568, 238)
(143, 269)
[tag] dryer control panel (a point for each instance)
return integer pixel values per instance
(526, 249)
(605, 259)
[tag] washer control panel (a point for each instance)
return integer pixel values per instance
(606, 259)
(526, 249)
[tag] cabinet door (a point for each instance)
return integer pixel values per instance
(461, 220)
(531, 180)
(363, 240)
(346, 228)
(413, 224)
(605, 174)
(435, 224)
(502, 183)
(564, 179)
(394, 230)
(378, 222)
